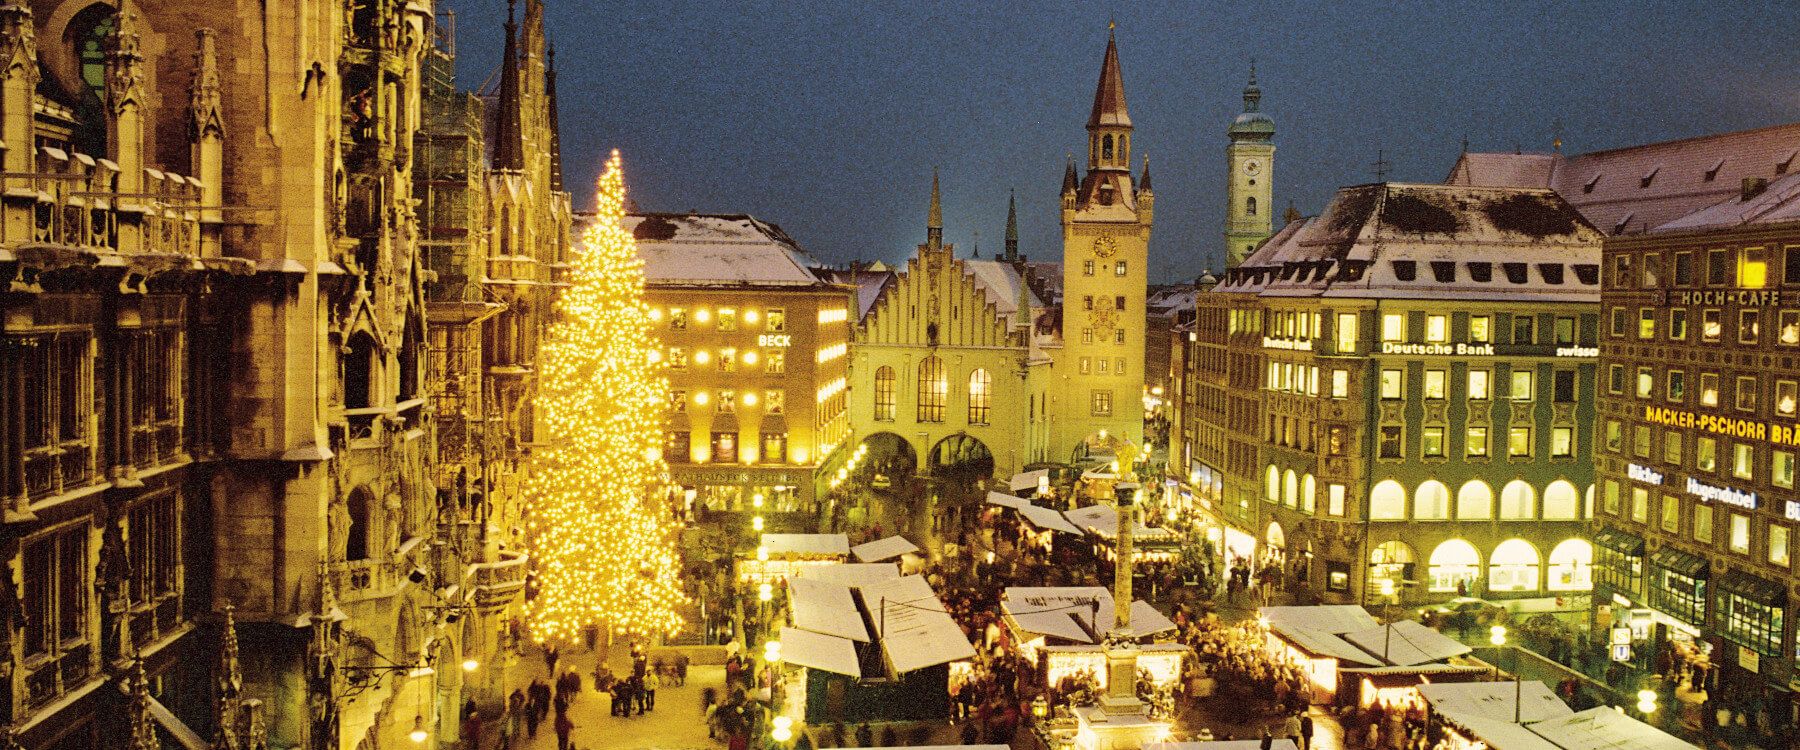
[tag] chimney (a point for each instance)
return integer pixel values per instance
(1754, 186)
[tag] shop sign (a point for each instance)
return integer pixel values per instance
(1793, 511)
(1726, 495)
(1621, 636)
(1778, 434)
(1643, 474)
(1745, 297)
(1621, 601)
(1749, 660)
(1270, 342)
(1577, 351)
(1621, 653)
(777, 340)
(1460, 350)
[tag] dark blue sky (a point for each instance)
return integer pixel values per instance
(827, 117)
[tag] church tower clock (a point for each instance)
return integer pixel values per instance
(1106, 218)
(1249, 187)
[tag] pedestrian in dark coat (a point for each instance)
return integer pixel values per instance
(564, 726)
(1306, 731)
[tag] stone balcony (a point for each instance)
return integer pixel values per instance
(74, 202)
(498, 583)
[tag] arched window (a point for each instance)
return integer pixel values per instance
(1560, 501)
(1290, 489)
(1387, 502)
(1518, 502)
(1454, 562)
(1474, 501)
(981, 387)
(1572, 566)
(1588, 503)
(934, 388)
(1273, 490)
(1106, 148)
(1431, 502)
(356, 534)
(884, 394)
(1309, 493)
(1514, 567)
(1250, 206)
(1276, 538)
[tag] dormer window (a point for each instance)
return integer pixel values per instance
(1713, 173)
(1781, 167)
(1481, 272)
(1515, 272)
(1649, 177)
(1552, 272)
(1588, 187)
(1587, 273)
(1406, 270)
(1444, 271)
(1619, 228)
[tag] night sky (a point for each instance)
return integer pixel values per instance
(827, 117)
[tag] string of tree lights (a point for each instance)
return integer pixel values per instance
(603, 539)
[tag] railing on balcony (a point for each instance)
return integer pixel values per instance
(498, 583)
(75, 200)
(355, 580)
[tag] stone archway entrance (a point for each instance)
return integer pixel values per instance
(1096, 447)
(961, 456)
(891, 460)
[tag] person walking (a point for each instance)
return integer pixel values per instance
(1306, 731)
(652, 681)
(564, 727)
(1291, 729)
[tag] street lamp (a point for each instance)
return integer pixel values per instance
(772, 652)
(1646, 702)
(418, 734)
(1497, 636)
(756, 523)
(784, 729)
(470, 664)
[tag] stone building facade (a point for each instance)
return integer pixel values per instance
(217, 344)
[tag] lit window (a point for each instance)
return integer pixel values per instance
(1652, 270)
(1523, 385)
(1778, 545)
(1119, 268)
(1610, 498)
(1434, 384)
(1709, 389)
(1711, 326)
(775, 363)
(1615, 435)
(727, 359)
(1118, 335)
(727, 402)
(1393, 327)
(774, 401)
(884, 394)
(1393, 384)
(1477, 444)
(1100, 404)
(677, 319)
(1480, 385)
(677, 357)
(934, 389)
(1432, 442)
(727, 319)
(1646, 323)
(1646, 382)
(1706, 454)
(1565, 331)
(1518, 442)
(1346, 333)
(1480, 331)
(1562, 442)
(1640, 441)
(1640, 505)
(1087, 366)
(1119, 367)
(1790, 328)
(1753, 268)
(1743, 461)
(981, 389)
(1703, 523)
(1334, 503)
(1100, 366)
(1437, 328)
(1087, 335)
(1340, 383)
(1671, 514)
(1740, 533)
(1781, 469)
(1786, 391)
(1749, 326)
(775, 320)
(1672, 445)
(678, 400)
(1087, 268)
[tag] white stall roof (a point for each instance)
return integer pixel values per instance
(1603, 728)
(820, 545)
(825, 607)
(1494, 700)
(1331, 618)
(1046, 518)
(1322, 644)
(1055, 610)
(1497, 734)
(1027, 480)
(819, 651)
(915, 629)
(1104, 521)
(883, 549)
(849, 574)
(1406, 642)
(1005, 501)
(1281, 743)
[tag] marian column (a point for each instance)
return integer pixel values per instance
(1121, 643)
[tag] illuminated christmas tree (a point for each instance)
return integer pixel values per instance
(603, 536)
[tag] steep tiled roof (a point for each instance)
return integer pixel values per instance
(718, 249)
(1109, 95)
(1776, 202)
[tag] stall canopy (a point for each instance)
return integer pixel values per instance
(1330, 618)
(807, 545)
(1282, 743)
(1406, 642)
(1603, 728)
(819, 651)
(915, 629)
(1048, 519)
(1494, 700)
(1027, 480)
(1497, 734)
(1067, 612)
(1322, 644)
(850, 574)
(883, 549)
(825, 607)
(1103, 520)
(1005, 501)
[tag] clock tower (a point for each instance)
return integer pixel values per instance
(1249, 186)
(1106, 237)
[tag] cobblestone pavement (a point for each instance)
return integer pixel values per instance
(676, 724)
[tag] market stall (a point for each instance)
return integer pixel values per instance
(1604, 728)
(779, 556)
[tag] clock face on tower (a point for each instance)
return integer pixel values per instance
(1253, 167)
(1105, 247)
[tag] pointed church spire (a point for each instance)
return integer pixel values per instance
(934, 221)
(1144, 184)
(1109, 95)
(1012, 228)
(1252, 92)
(1070, 181)
(555, 125)
(509, 141)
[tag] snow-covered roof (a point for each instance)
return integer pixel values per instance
(718, 250)
(1002, 283)
(1778, 202)
(819, 651)
(1026, 480)
(1322, 644)
(1494, 700)
(883, 549)
(915, 629)
(849, 574)
(1005, 501)
(1638, 188)
(807, 545)
(1279, 743)
(825, 607)
(1406, 241)
(1048, 518)
(1103, 520)
(1330, 618)
(1068, 612)
(1406, 642)
(1605, 728)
